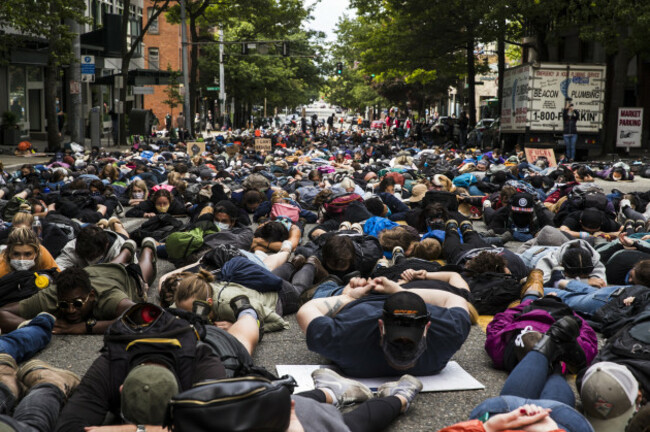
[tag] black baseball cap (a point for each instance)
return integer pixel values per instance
(405, 317)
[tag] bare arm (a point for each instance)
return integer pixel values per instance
(430, 296)
(330, 306)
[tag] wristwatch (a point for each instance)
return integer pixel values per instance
(140, 428)
(90, 323)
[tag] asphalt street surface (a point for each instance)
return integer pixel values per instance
(430, 412)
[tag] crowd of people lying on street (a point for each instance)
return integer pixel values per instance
(370, 240)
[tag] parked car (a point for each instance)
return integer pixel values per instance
(492, 135)
(475, 136)
(441, 127)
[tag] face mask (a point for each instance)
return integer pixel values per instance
(162, 209)
(138, 195)
(22, 264)
(95, 194)
(223, 226)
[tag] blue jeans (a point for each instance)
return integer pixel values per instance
(24, 343)
(570, 143)
(328, 289)
(530, 383)
(38, 411)
(582, 297)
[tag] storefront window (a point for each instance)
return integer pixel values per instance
(18, 93)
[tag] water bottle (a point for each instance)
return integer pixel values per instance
(37, 227)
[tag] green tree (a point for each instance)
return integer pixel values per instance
(173, 97)
(44, 20)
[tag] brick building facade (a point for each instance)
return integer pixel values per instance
(162, 48)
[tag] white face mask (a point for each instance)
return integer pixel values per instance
(223, 226)
(22, 264)
(138, 195)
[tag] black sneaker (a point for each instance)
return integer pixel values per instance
(465, 227)
(451, 224)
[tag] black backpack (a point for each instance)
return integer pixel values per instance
(146, 330)
(21, 284)
(615, 314)
(157, 227)
(492, 292)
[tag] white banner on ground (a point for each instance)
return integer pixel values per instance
(452, 377)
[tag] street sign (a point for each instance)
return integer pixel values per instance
(630, 127)
(145, 90)
(88, 65)
(213, 88)
(88, 78)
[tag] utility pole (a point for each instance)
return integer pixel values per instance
(222, 80)
(186, 79)
(76, 121)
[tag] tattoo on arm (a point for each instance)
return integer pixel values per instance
(333, 309)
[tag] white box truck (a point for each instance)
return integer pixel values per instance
(534, 96)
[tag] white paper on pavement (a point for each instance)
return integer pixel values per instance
(452, 377)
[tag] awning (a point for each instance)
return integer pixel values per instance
(138, 77)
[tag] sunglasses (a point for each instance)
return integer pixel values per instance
(77, 303)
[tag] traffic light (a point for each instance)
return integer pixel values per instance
(339, 68)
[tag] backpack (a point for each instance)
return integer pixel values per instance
(182, 244)
(146, 331)
(219, 255)
(21, 284)
(13, 206)
(157, 227)
(614, 315)
(336, 205)
(492, 292)
(285, 209)
(633, 340)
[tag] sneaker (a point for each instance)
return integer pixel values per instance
(8, 374)
(36, 372)
(506, 237)
(321, 273)
(131, 246)
(345, 226)
(347, 391)
(408, 387)
(466, 226)
(297, 262)
(624, 203)
(451, 224)
(398, 255)
(357, 227)
(114, 221)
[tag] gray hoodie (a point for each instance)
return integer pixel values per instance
(553, 259)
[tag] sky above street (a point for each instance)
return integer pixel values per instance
(327, 14)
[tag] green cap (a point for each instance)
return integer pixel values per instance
(146, 391)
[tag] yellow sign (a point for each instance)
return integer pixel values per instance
(263, 144)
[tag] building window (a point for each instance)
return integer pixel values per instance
(154, 58)
(153, 27)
